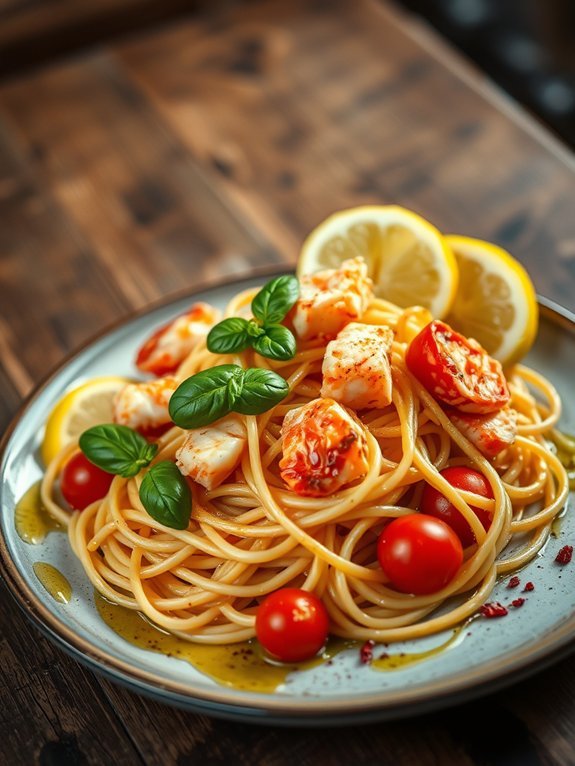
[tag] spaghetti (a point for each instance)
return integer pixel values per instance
(251, 535)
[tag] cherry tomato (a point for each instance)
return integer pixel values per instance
(457, 370)
(292, 625)
(83, 482)
(419, 553)
(437, 505)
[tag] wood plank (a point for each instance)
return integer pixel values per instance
(173, 737)
(45, 270)
(51, 707)
(348, 109)
(126, 183)
(37, 31)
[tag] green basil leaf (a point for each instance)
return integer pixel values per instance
(229, 336)
(254, 330)
(117, 449)
(261, 390)
(166, 496)
(206, 396)
(277, 342)
(275, 299)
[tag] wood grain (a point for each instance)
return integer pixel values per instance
(199, 151)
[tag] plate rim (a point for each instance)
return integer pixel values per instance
(268, 708)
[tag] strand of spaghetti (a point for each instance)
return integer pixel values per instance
(276, 513)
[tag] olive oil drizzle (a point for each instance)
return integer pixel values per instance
(53, 581)
(31, 519)
(240, 666)
(398, 660)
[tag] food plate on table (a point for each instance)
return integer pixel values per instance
(350, 678)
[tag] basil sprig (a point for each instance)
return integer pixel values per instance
(166, 496)
(209, 395)
(275, 299)
(117, 449)
(264, 333)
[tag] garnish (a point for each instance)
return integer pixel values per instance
(565, 555)
(211, 394)
(517, 602)
(117, 449)
(366, 652)
(513, 582)
(528, 587)
(264, 333)
(166, 496)
(493, 609)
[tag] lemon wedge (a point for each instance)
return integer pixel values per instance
(85, 406)
(496, 302)
(408, 260)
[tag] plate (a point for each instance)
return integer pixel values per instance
(490, 654)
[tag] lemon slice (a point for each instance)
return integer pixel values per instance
(407, 258)
(88, 405)
(496, 302)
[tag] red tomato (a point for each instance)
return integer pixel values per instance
(420, 554)
(457, 370)
(436, 504)
(83, 482)
(292, 625)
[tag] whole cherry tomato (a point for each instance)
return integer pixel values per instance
(83, 482)
(419, 553)
(457, 370)
(292, 625)
(437, 505)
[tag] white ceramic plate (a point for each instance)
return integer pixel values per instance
(495, 653)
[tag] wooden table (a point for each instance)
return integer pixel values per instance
(199, 151)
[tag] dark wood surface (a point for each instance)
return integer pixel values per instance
(201, 150)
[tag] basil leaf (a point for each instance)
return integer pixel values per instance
(117, 449)
(254, 330)
(275, 299)
(277, 342)
(261, 390)
(166, 496)
(206, 396)
(229, 336)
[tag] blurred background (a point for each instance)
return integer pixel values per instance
(525, 46)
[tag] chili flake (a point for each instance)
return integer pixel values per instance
(529, 586)
(518, 602)
(513, 582)
(366, 652)
(565, 554)
(493, 609)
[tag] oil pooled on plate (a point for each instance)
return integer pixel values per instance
(241, 666)
(31, 519)
(53, 581)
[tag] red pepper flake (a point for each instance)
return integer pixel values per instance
(565, 554)
(518, 602)
(513, 582)
(493, 609)
(366, 652)
(529, 586)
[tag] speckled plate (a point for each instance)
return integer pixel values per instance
(491, 654)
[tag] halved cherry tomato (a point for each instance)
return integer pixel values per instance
(82, 482)
(457, 370)
(292, 625)
(436, 504)
(167, 347)
(419, 553)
